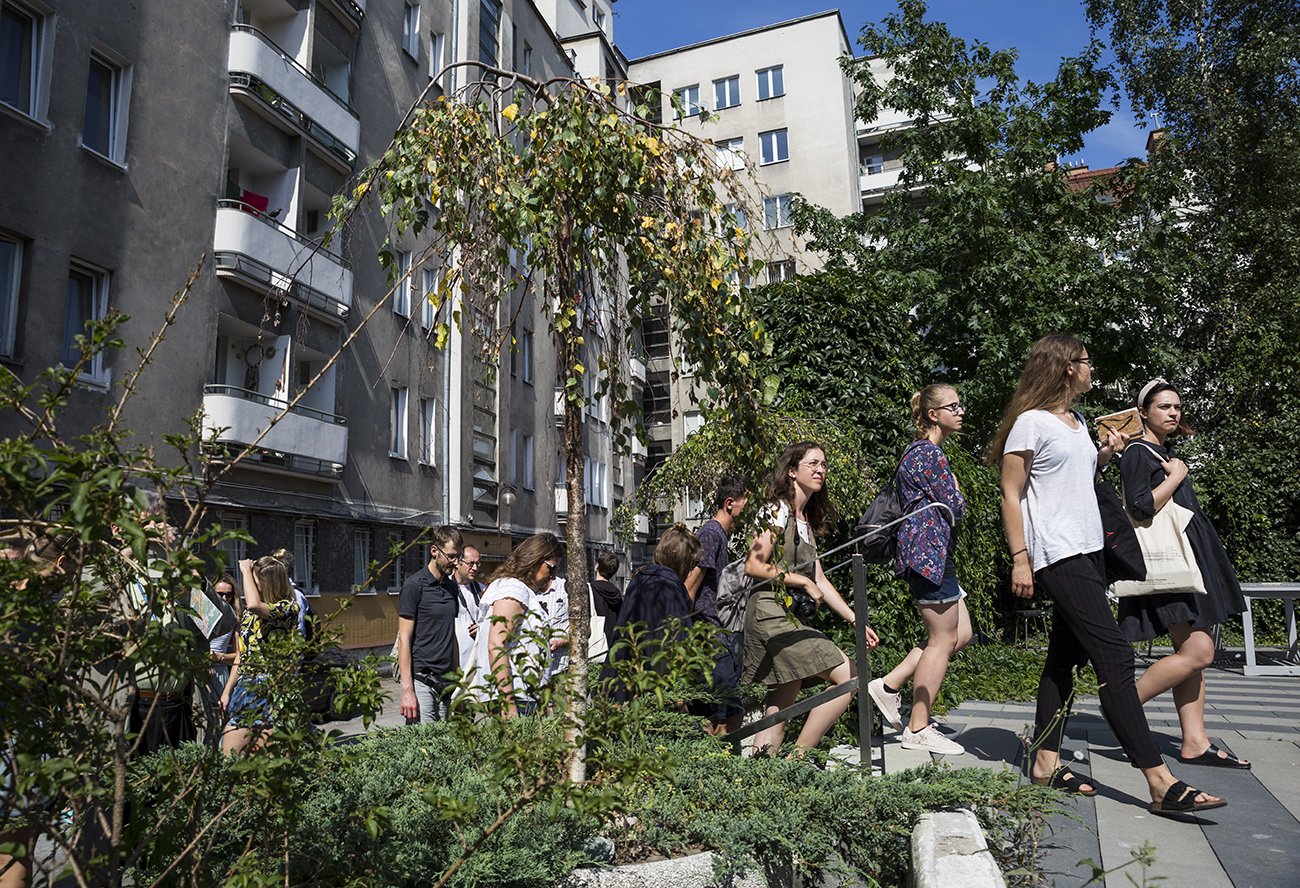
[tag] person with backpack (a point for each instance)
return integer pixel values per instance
(780, 651)
(926, 560)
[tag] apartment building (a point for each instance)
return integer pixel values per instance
(139, 139)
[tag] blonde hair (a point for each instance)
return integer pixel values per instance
(1044, 382)
(272, 575)
(923, 402)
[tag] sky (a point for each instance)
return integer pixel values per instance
(1042, 31)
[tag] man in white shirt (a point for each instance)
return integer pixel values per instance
(470, 613)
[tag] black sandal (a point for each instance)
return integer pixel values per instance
(1212, 759)
(1067, 781)
(1181, 799)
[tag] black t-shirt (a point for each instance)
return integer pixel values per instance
(432, 604)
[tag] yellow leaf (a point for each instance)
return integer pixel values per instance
(652, 145)
(363, 188)
(511, 111)
(715, 283)
(743, 358)
(646, 221)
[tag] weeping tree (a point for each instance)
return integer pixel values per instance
(568, 189)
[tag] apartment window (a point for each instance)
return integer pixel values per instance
(21, 64)
(87, 301)
(594, 476)
(526, 356)
(730, 153)
(529, 478)
(234, 551)
(362, 538)
(778, 272)
(528, 61)
(738, 216)
(104, 125)
(871, 164)
(11, 269)
(689, 99)
(396, 569)
(771, 82)
(427, 294)
(397, 423)
(304, 556)
(437, 43)
(726, 92)
(411, 30)
(489, 29)
(515, 454)
(774, 146)
(428, 430)
(402, 286)
(776, 211)
(598, 16)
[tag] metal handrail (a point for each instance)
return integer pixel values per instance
(227, 203)
(259, 398)
(352, 8)
(294, 115)
(246, 265)
(294, 63)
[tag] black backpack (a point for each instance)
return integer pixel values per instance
(884, 509)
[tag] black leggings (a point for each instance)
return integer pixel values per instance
(1084, 629)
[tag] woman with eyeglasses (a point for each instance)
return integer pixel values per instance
(780, 651)
(512, 654)
(221, 648)
(1153, 478)
(1053, 528)
(926, 559)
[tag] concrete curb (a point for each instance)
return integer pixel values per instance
(948, 848)
(695, 871)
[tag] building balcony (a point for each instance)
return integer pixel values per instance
(878, 183)
(264, 279)
(637, 370)
(304, 441)
(287, 256)
(286, 93)
(642, 526)
(639, 451)
(352, 12)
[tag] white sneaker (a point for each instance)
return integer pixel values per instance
(929, 739)
(886, 702)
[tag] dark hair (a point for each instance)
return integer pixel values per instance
(678, 550)
(606, 564)
(818, 508)
(445, 534)
(1044, 382)
(527, 557)
(1183, 427)
(729, 487)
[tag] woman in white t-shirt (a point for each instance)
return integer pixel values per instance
(509, 658)
(1053, 527)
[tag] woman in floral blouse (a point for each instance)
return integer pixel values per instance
(926, 550)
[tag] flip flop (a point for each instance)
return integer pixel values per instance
(1067, 781)
(1181, 799)
(1211, 758)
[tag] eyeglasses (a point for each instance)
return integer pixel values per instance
(1089, 361)
(450, 556)
(956, 408)
(816, 464)
(469, 563)
(551, 566)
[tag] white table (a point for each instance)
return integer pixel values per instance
(1288, 592)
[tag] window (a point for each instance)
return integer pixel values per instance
(402, 286)
(726, 92)
(529, 479)
(428, 311)
(437, 42)
(489, 27)
(689, 98)
(411, 30)
(428, 430)
(871, 164)
(515, 454)
(776, 211)
(730, 153)
(526, 356)
(87, 301)
(778, 272)
(11, 268)
(738, 216)
(104, 125)
(233, 550)
(528, 60)
(304, 556)
(21, 69)
(397, 423)
(397, 569)
(361, 542)
(598, 16)
(774, 146)
(594, 475)
(771, 82)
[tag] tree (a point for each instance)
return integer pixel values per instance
(606, 213)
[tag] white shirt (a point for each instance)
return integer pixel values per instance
(467, 615)
(524, 647)
(1059, 508)
(779, 517)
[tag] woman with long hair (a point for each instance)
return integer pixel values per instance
(926, 559)
(780, 651)
(1054, 532)
(1153, 478)
(512, 649)
(270, 608)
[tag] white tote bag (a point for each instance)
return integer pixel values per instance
(1171, 564)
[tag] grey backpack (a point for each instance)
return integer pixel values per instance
(734, 589)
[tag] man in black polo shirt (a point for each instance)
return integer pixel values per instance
(426, 630)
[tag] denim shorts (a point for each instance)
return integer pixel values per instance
(926, 592)
(250, 706)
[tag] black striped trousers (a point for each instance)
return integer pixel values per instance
(1084, 629)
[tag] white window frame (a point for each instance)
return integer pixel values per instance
(776, 212)
(37, 106)
(94, 374)
(437, 47)
(598, 16)
(362, 546)
(428, 431)
(396, 570)
(689, 106)
(411, 30)
(730, 153)
(304, 557)
(397, 422)
(871, 165)
(236, 550)
(768, 88)
(402, 285)
(726, 92)
(774, 146)
(530, 476)
(428, 313)
(10, 290)
(526, 356)
(119, 107)
(780, 271)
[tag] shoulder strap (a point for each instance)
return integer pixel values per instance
(1149, 446)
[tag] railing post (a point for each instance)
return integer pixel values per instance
(863, 664)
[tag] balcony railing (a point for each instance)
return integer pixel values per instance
(244, 229)
(302, 440)
(255, 86)
(270, 280)
(295, 64)
(351, 9)
(278, 403)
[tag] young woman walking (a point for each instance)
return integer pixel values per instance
(1054, 532)
(1154, 477)
(927, 546)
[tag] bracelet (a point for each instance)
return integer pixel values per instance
(1018, 551)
